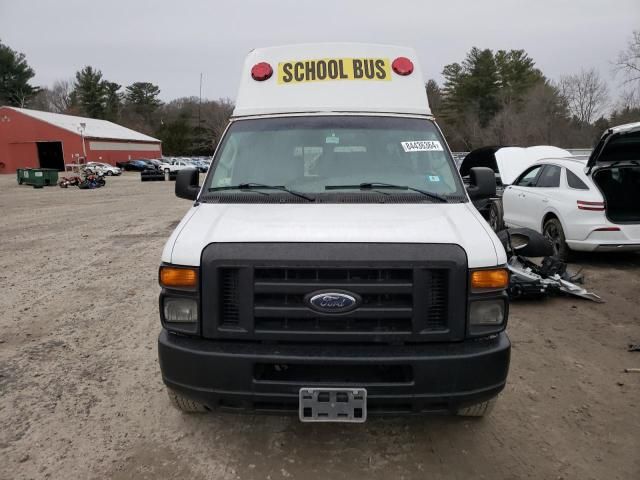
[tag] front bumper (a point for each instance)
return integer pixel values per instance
(432, 377)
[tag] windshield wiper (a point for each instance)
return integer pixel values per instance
(256, 186)
(372, 185)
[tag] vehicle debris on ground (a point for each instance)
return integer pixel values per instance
(531, 280)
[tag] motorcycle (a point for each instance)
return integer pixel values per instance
(66, 182)
(92, 180)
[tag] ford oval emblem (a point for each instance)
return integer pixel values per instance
(331, 301)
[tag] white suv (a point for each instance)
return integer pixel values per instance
(579, 204)
(104, 168)
(175, 165)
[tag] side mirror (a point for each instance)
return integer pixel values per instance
(526, 242)
(187, 184)
(482, 183)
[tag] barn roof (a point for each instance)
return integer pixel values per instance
(94, 128)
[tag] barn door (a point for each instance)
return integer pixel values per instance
(50, 155)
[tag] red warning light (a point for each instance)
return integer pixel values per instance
(261, 71)
(402, 66)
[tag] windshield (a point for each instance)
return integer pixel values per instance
(323, 155)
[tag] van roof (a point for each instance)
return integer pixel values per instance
(331, 77)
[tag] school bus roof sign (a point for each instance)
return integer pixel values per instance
(334, 77)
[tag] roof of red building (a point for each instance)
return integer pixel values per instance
(93, 128)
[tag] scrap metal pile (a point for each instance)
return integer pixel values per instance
(528, 279)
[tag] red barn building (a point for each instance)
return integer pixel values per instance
(35, 139)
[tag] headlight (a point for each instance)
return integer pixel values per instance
(487, 312)
(180, 310)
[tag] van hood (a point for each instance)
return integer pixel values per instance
(458, 223)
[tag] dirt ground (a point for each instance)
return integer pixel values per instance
(81, 394)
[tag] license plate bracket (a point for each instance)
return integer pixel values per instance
(347, 405)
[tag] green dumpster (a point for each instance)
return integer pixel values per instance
(23, 175)
(37, 177)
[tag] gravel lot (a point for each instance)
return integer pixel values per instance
(81, 394)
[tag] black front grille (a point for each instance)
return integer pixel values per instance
(437, 300)
(406, 292)
(230, 297)
(386, 293)
(387, 304)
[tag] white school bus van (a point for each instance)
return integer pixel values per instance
(332, 264)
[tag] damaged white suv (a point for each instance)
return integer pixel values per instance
(591, 205)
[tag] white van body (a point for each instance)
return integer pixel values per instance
(459, 224)
(332, 251)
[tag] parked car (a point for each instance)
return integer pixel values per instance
(138, 166)
(104, 168)
(199, 165)
(506, 163)
(588, 205)
(175, 166)
(151, 163)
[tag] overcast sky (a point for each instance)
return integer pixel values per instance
(170, 42)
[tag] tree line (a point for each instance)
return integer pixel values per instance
(186, 126)
(489, 98)
(501, 98)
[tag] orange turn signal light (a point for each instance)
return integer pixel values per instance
(493, 278)
(178, 277)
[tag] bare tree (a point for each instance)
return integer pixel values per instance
(56, 99)
(628, 61)
(60, 96)
(216, 115)
(629, 99)
(585, 93)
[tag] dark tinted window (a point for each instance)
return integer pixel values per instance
(574, 182)
(528, 179)
(550, 177)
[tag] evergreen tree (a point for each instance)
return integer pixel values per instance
(142, 97)
(15, 74)
(472, 86)
(176, 136)
(90, 92)
(516, 74)
(434, 96)
(113, 100)
(478, 89)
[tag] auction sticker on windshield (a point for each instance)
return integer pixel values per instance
(422, 146)
(301, 71)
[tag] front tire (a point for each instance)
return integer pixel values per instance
(496, 216)
(166, 170)
(553, 231)
(478, 410)
(183, 403)
(109, 173)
